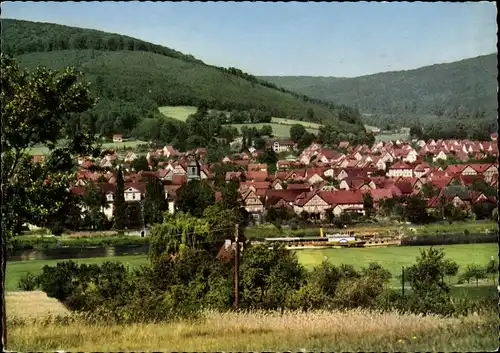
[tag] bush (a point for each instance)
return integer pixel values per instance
(28, 282)
(358, 292)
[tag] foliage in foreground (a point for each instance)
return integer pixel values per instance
(185, 284)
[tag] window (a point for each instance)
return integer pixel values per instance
(133, 196)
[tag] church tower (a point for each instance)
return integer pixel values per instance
(193, 168)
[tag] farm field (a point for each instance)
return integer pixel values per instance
(392, 137)
(16, 269)
(279, 130)
(392, 258)
(353, 330)
(281, 126)
(178, 112)
(42, 150)
(306, 124)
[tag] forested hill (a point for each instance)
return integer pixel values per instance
(466, 89)
(133, 78)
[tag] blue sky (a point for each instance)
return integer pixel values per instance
(316, 39)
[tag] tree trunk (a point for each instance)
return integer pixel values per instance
(2, 288)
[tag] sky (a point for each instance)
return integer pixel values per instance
(291, 39)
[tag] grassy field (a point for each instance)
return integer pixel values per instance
(16, 269)
(306, 124)
(39, 150)
(281, 126)
(32, 304)
(391, 258)
(392, 137)
(178, 113)
(279, 130)
(354, 330)
(427, 229)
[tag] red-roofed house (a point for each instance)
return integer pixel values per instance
(257, 176)
(400, 169)
(379, 195)
(340, 201)
(253, 203)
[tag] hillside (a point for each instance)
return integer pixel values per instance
(133, 78)
(467, 88)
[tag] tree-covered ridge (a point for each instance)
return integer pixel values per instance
(169, 77)
(466, 88)
(22, 37)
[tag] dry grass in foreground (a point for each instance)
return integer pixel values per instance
(355, 330)
(32, 304)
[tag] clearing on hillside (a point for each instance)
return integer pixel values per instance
(279, 130)
(290, 122)
(392, 137)
(281, 126)
(43, 150)
(178, 113)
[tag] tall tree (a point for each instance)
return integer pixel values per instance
(296, 132)
(95, 200)
(119, 204)
(154, 201)
(140, 164)
(368, 203)
(35, 108)
(176, 234)
(194, 197)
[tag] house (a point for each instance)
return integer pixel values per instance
(328, 156)
(282, 145)
(234, 176)
(280, 198)
(344, 201)
(344, 144)
(134, 191)
(257, 175)
(400, 169)
(411, 157)
(129, 157)
(379, 195)
(117, 138)
(490, 173)
(260, 167)
(38, 159)
(440, 155)
(253, 203)
(169, 151)
(314, 175)
(469, 170)
(340, 201)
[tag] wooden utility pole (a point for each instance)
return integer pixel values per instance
(403, 280)
(236, 269)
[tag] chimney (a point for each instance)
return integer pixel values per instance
(227, 244)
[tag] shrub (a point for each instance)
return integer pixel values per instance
(475, 272)
(28, 282)
(358, 292)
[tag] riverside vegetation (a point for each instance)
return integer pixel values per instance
(190, 295)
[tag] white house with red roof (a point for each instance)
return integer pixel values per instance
(400, 169)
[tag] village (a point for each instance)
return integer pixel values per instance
(316, 180)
